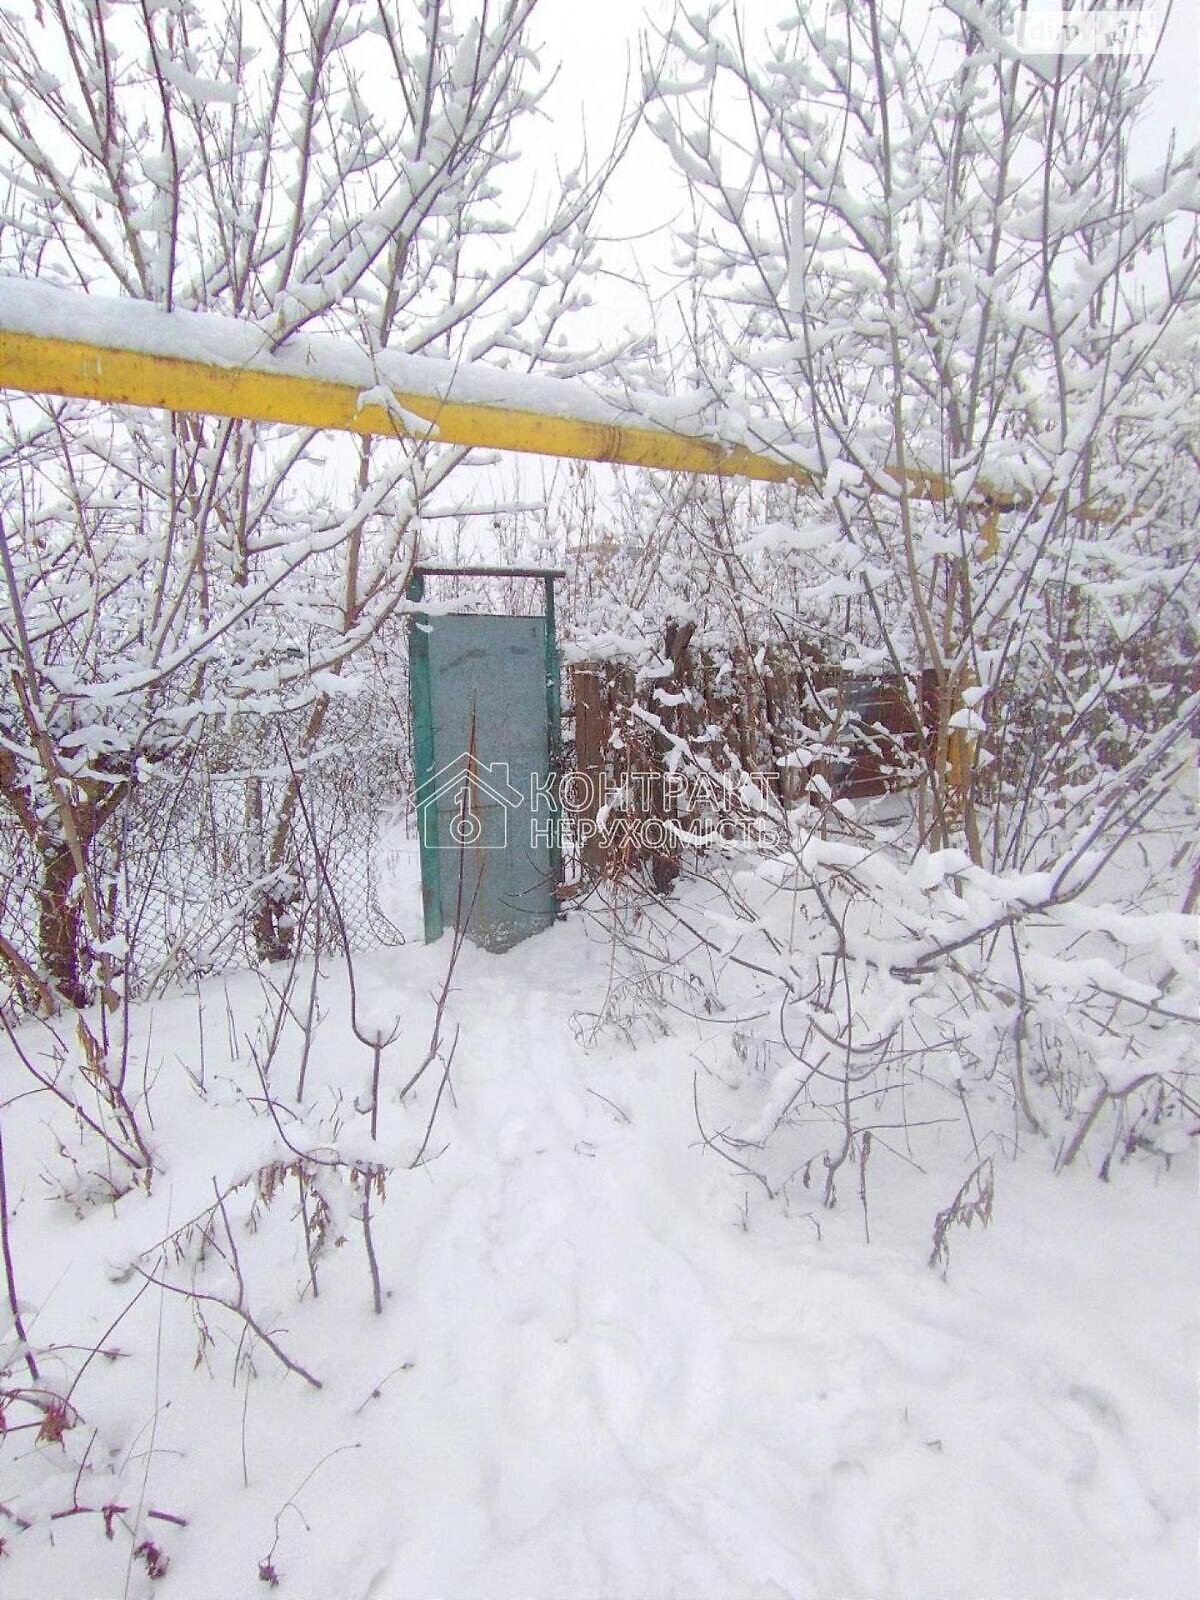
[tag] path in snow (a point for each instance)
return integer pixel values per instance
(624, 1379)
(654, 1401)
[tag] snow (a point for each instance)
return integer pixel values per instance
(37, 307)
(205, 91)
(676, 1292)
(607, 1364)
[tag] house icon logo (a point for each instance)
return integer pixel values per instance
(464, 805)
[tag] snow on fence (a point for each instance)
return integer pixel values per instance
(203, 867)
(682, 741)
(206, 865)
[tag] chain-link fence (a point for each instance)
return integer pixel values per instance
(240, 852)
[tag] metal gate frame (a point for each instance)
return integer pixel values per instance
(421, 702)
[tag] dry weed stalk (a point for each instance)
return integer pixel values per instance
(972, 1203)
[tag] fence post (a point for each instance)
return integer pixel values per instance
(421, 710)
(591, 740)
(554, 729)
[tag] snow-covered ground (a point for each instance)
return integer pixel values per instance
(607, 1364)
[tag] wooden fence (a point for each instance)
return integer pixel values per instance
(663, 754)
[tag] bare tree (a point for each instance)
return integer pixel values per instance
(931, 275)
(922, 268)
(323, 167)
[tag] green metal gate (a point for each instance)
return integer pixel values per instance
(486, 733)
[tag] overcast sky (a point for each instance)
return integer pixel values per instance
(595, 38)
(595, 43)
